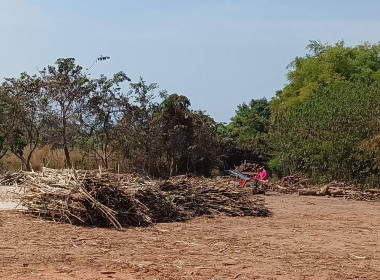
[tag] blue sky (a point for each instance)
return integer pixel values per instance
(218, 53)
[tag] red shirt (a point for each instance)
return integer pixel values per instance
(262, 175)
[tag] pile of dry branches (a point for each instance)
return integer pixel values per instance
(345, 190)
(201, 196)
(14, 178)
(105, 199)
(290, 184)
(295, 184)
(248, 167)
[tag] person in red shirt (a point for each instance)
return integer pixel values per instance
(260, 182)
(262, 175)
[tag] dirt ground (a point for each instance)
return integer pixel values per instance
(8, 197)
(305, 238)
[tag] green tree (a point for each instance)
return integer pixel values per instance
(140, 133)
(327, 66)
(206, 149)
(105, 108)
(248, 130)
(175, 120)
(324, 123)
(323, 137)
(25, 116)
(66, 87)
(3, 123)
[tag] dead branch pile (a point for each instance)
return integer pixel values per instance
(106, 199)
(289, 184)
(90, 198)
(9, 179)
(248, 167)
(369, 195)
(349, 191)
(340, 189)
(201, 196)
(295, 184)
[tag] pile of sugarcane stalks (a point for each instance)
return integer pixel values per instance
(201, 196)
(289, 184)
(105, 199)
(89, 198)
(9, 179)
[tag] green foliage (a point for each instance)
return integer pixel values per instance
(205, 150)
(23, 115)
(322, 137)
(247, 132)
(177, 130)
(64, 110)
(327, 66)
(104, 109)
(139, 132)
(66, 89)
(325, 122)
(275, 164)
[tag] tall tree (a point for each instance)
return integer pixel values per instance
(25, 123)
(248, 129)
(324, 122)
(177, 130)
(67, 88)
(206, 149)
(327, 66)
(141, 135)
(3, 122)
(105, 108)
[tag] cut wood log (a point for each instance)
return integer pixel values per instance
(324, 190)
(307, 192)
(374, 191)
(336, 192)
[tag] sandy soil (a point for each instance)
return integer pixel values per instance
(8, 198)
(306, 238)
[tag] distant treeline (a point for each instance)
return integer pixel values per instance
(324, 124)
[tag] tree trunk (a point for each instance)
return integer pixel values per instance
(65, 148)
(105, 156)
(28, 166)
(171, 166)
(67, 157)
(105, 162)
(29, 157)
(3, 154)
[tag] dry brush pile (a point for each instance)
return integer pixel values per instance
(201, 196)
(296, 184)
(248, 167)
(106, 199)
(290, 184)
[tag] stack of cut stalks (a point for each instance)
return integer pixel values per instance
(290, 184)
(106, 199)
(201, 196)
(14, 178)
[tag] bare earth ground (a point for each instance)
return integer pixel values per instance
(8, 197)
(306, 238)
